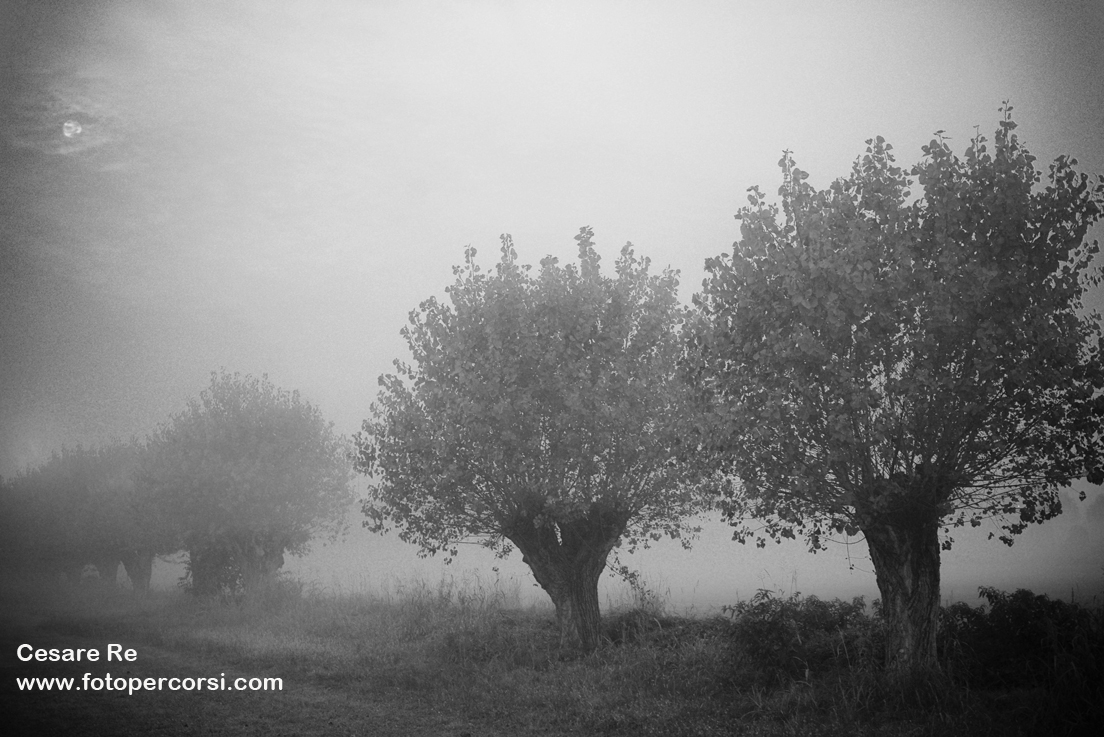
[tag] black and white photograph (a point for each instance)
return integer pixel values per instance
(523, 368)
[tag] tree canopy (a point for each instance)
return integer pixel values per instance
(85, 506)
(897, 365)
(252, 472)
(544, 412)
(45, 511)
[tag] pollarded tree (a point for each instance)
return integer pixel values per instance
(543, 412)
(125, 521)
(84, 506)
(896, 367)
(47, 512)
(251, 472)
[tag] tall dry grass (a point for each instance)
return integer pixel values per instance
(773, 665)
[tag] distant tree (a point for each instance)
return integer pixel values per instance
(251, 472)
(84, 507)
(126, 522)
(897, 366)
(45, 508)
(544, 413)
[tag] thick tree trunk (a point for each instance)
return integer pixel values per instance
(232, 561)
(574, 592)
(207, 568)
(260, 557)
(139, 568)
(107, 566)
(567, 559)
(905, 553)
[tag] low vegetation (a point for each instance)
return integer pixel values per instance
(774, 665)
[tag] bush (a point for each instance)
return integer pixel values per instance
(1024, 640)
(792, 638)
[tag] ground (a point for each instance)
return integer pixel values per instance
(300, 709)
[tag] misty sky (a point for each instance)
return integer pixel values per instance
(270, 187)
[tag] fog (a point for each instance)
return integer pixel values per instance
(270, 187)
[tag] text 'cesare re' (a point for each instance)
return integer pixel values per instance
(115, 651)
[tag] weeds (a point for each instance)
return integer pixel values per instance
(1049, 653)
(794, 638)
(770, 666)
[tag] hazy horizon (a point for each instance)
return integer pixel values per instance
(270, 188)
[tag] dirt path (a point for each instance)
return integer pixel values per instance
(299, 709)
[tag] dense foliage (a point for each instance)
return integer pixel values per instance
(85, 507)
(795, 637)
(895, 366)
(251, 472)
(246, 473)
(1024, 639)
(545, 412)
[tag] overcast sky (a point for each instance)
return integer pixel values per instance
(270, 187)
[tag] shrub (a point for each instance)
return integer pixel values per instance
(1024, 640)
(794, 637)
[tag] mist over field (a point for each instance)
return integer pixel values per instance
(271, 187)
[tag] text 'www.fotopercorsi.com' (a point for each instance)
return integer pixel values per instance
(129, 684)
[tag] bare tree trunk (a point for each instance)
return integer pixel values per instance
(206, 566)
(905, 553)
(260, 557)
(575, 595)
(139, 568)
(567, 559)
(107, 565)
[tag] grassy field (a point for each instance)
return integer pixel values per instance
(454, 659)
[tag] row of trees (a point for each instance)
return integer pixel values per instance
(864, 361)
(246, 473)
(83, 507)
